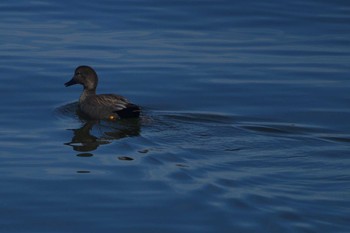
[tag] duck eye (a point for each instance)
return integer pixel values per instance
(78, 73)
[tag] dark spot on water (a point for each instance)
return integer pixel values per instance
(233, 149)
(85, 155)
(126, 158)
(182, 165)
(144, 151)
(83, 172)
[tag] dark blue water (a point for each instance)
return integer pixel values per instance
(245, 124)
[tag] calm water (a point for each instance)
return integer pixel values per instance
(245, 123)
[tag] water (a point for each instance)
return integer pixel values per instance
(245, 116)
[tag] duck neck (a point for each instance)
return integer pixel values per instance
(86, 93)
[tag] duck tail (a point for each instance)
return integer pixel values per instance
(130, 111)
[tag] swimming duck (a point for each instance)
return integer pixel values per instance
(104, 106)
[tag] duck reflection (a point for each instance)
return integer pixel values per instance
(93, 134)
(84, 141)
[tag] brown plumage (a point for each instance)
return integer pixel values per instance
(100, 107)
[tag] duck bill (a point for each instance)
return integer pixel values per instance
(70, 83)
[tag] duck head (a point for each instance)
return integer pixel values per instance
(85, 76)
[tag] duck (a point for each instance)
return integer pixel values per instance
(103, 106)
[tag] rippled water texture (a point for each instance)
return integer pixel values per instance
(245, 124)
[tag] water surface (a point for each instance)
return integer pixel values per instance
(245, 117)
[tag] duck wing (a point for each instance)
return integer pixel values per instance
(117, 104)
